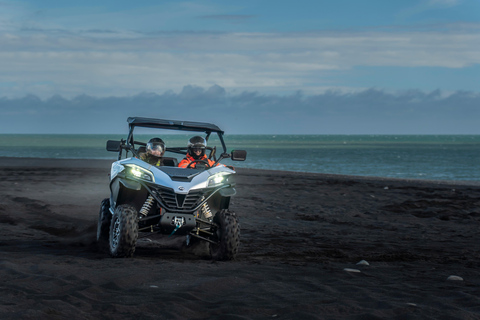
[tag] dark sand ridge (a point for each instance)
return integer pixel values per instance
(299, 232)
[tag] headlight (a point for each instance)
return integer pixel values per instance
(136, 172)
(219, 178)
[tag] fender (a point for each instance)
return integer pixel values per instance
(130, 184)
(116, 185)
(228, 192)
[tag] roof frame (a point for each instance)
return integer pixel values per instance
(208, 128)
(173, 125)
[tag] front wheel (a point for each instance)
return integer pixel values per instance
(103, 226)
(226, 236)
(123, 231)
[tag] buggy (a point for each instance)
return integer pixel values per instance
(192, 202)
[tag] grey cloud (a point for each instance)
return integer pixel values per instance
(108, 62)
(370, 111)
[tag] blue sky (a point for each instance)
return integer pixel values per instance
(251, 57)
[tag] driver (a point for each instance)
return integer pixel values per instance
(196, 152)
(155, 150)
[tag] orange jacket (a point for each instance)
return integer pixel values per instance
(189, 159)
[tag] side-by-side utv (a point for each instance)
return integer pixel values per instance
(191, 202)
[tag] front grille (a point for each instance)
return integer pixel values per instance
(192, 199)
(167, 196)
(177, 201)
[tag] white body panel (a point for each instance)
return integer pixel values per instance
(199, 181)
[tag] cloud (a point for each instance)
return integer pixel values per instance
(105, 62)
(105, 50)
(369, 111)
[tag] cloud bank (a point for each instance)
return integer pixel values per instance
(106, 62)
(79, 68)
(370, 111)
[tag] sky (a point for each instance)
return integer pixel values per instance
(273, 67)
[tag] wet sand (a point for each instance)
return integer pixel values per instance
(302, 236)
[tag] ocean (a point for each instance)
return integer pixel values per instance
(432, 157)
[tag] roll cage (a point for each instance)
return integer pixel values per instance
(133, 122)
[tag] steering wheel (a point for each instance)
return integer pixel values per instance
(205, 162)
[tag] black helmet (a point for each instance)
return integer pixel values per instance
(196, 142)
(156, 147)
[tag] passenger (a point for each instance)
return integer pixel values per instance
(155, 151)
(196, 152)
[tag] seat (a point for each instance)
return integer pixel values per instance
(170, 162)
(141, 150)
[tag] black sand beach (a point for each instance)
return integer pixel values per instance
(302, 236)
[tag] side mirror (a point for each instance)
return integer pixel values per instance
(113, 145)
(238, 155)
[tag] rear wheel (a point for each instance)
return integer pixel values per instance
(124, 231)
(226, 236)
(104, 218)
